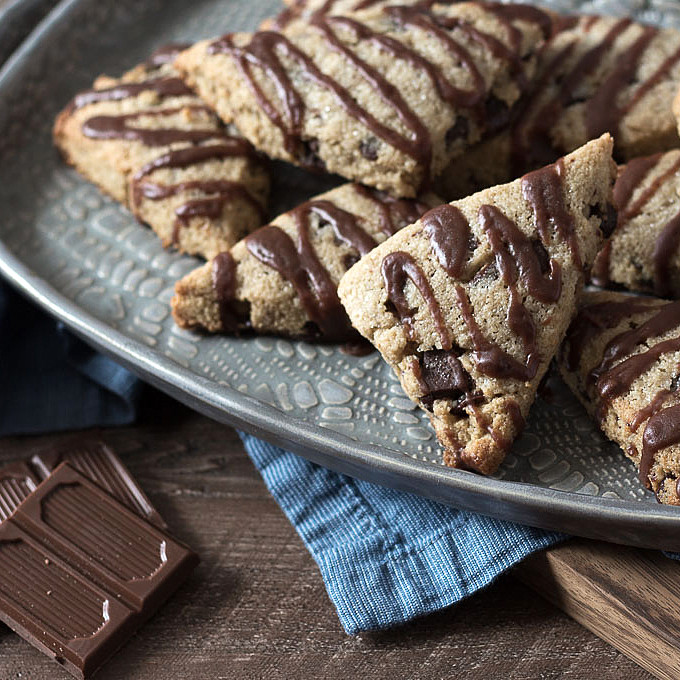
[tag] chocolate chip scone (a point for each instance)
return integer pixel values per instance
(470, 304)
(597, 74)
(621, 358)
(385, 97)
(148, 141)
(282, 279)
(643, 251)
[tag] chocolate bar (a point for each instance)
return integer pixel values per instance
(99, 463)
(81, 571)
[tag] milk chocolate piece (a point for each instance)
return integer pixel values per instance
(80, 571)
(98, 462)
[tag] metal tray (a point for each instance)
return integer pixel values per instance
(86, 261)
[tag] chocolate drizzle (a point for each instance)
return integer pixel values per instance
(543, 189)
(118, 127)
(662, 430)
(265, 48)
(395, 213)
(594, 319)
(449, 234)
(163, 87)
(219, 191)
(399, 267)
(612, 379)
(224, 285)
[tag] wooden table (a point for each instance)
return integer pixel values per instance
(257, 608)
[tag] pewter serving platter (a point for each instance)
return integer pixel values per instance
(86, 261)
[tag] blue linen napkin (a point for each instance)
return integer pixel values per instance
(387, 556)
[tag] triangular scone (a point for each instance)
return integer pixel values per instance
(596, 75)
(385, 97)
(621, 358)
(643, 253)
(470, 303)
(282, 279)
(148, 141)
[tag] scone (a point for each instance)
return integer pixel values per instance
(470, 304)
(621, 358)
(385, 97)
(599, 74)
(148, 141)
(282, 279)
(643, 252)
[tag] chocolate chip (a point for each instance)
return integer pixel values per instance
(486, 274)
(541, 255)
(308, 155)
(369, 148)
(459, 130)
(350, 260)
(445, 377)
(472, 243)
(497, 113)
(310, 331)
(675, 383)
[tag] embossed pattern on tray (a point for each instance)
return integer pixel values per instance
(93, 252)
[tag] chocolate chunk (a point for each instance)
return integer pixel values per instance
(308, 156)
(459, 130)
(350, 260)
(80, 571)
(444, 376)
(675, 383)
(497, 113)
(541, 255)
(99, 463)
(487, 273)
(369, 148)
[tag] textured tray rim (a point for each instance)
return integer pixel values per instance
(628, 522)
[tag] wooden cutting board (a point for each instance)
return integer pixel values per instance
(627, 596)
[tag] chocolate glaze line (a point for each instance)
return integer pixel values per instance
(164, 87)
(543, 190)
(117, 127)
(301, 265)
(489, 357)
(224, 284)
(662, 430)
(406, 211)
(449, 234)
(645, 413)
(419, 146)
(396, 269)
(593, 319)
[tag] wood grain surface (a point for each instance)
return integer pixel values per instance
(256, 607)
